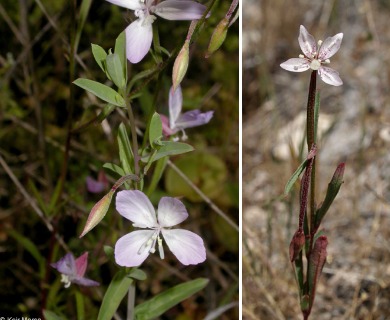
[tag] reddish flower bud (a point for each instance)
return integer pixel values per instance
(296, 244)
(181, 65)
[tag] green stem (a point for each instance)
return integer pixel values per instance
(131, 302)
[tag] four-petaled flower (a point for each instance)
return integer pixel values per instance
(315, 58)
(139, 34)
(179, 122)
(72, 270)
(132, 249)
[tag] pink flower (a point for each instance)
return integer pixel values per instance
(178, 121)
(139, 34)
(73, 270)
(132, 249)
(315, 58)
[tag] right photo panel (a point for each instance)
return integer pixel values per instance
(315, 150)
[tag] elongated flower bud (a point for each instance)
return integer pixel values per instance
(296, 244)
(218, 36)
(181, 65)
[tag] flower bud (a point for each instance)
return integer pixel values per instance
(296, 245)
(218, 36)
(181, 65)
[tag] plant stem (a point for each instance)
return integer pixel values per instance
(130, 302)
(310, 141)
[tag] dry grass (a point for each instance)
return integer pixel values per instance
(356, 279)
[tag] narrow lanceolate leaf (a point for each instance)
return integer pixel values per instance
(169, 148)
(162, 302)
(100, 56)
(115, 293)
(120, 50)
(100, 209)
(115, 70)
(155, 130)
(331, 193)
(316, 263)
(297, 173)
(125, 151)
(101, 91)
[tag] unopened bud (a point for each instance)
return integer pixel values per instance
(181, 65)
(218, 36)
(296, 244)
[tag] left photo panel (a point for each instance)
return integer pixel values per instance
(119, 159)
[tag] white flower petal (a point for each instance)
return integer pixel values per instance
(135, 206)
(139, 35)
(307, 42)
(129, 4)
(180, 10)
(330, 76)
(187, 246)
(127, 248)
(175, 105)
(330, 46)
(171, 212)
(296, 65)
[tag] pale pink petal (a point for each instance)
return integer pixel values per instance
(129, 250)
(180, 10)
(94, 186)
(135, 206)
(330, 76)
(81, 264)
(171, 212)
(330, 46)
(187, 246)
(85, 282)
(296, 65)
(175, 105)
(193, 118)
(139, 37)
(129, 4)
(66, 265)
(307, 42)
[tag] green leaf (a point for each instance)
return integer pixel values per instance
(107, 110)
(115, 70)
(101, 91)
(80, 306)
(137, 274)
(170, 148)
(125, 151)
(50, 315)
(115, 293)
(100, 56)
(141, 75)
(155, 131)
(294, 177)
(84, 10)
(114, 168)
(162, 302)
(120, 50)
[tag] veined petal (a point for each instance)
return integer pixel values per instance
(171, 212)
(139, 35)
(193, 118)
(187, 246)
(307, 42)
(129, 4)
(66, 265)
(330, 46)
(85, 282)
(175, 105)
(180, 10)
(330, 76)
(127, 248)
(296, 65)
(135, 206)
(81, 264)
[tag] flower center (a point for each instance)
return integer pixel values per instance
(315, 64)
(65, 280)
